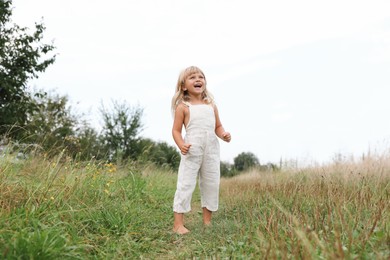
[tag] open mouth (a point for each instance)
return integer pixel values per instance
(198, 85)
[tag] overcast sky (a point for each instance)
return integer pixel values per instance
(293, 79)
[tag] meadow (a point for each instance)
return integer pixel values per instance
(59, 208)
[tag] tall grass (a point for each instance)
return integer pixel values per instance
(339, 211)
(63, 209)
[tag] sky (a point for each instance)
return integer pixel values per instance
(297, 80)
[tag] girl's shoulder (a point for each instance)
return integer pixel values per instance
(185, 103)
(182, 107)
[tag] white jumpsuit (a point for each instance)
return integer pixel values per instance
(202, 159)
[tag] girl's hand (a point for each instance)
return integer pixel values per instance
(226, 137)
(184, 148)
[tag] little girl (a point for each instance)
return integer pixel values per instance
(193, 106)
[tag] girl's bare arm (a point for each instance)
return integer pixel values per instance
(177, 128)
(219, 130)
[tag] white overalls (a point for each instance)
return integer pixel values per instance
(202, 159)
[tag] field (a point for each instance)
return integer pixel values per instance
(62, 209)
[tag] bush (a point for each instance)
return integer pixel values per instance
(227, 169)
(160, 153)
(245, 161)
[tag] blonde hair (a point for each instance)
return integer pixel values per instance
(181, 95)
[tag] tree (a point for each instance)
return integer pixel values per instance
(121, 130)
(22, 57)
(51, 125)
(245, 161)
(89, 144)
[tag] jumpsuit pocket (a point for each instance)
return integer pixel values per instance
(193, 159)
(195, 150)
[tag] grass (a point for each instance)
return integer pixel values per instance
(62, 209)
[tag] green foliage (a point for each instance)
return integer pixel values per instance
(227, 169)
(52, 125)
(121, 128)
(245, 161)
(54, 128)
(160, 153)
(89, 145)
(22, 57)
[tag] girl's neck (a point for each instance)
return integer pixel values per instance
(196, 100)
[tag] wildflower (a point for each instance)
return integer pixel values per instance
(112, 170)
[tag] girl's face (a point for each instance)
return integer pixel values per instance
(195, 84)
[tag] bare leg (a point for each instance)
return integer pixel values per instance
(178, 224)
(207, 216)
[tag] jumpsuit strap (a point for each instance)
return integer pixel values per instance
(188, 104)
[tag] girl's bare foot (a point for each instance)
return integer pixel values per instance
(178, 224)
(181, 230)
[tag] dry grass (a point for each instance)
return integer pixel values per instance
(335, 211)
